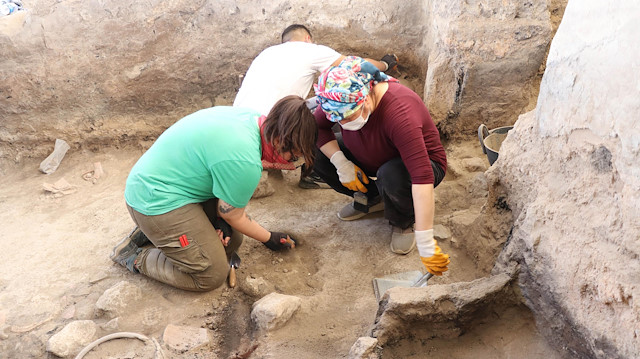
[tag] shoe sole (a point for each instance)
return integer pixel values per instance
(313, 185)
(124, 242)
(140, 239)
(413, 245)
(354, 217)
(361, 214)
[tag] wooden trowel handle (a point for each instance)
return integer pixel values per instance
(232, 277)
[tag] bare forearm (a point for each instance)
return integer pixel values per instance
(379, 64)
(251, 228)
(240, 220)
(423, 205)
(330, 148)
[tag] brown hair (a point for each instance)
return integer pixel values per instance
(292, 125)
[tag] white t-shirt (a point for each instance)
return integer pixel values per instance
(281, 70)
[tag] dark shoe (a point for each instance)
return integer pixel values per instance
(138, 238)
(125, 254)
(313, 181)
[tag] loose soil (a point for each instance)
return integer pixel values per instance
(54, 265)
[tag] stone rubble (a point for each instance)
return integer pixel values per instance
(115, 300)
(365, 348)
(274, 310)
(72, 338)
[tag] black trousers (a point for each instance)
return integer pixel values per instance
(393, 185)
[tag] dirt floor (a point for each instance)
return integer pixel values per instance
(55, 264)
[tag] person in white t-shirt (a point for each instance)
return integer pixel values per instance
(290, 68)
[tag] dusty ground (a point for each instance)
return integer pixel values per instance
(54, 265)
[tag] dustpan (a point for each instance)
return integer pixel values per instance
(404, 279)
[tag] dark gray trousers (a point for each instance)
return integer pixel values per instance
(393, 185)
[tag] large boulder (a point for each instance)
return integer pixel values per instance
(439, 311)
(569, 172)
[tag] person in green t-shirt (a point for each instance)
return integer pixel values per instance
(187, 193)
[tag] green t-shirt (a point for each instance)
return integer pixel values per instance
(212, 153)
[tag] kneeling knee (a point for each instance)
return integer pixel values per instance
(208, 283)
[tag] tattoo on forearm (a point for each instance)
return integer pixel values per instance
(225, 208)
(248, 217)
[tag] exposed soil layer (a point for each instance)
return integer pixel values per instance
(55, 266)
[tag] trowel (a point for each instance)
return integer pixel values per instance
(234, 263)
(413, 279)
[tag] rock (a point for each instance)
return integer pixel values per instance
(110, 326)
(441, 232)
(454, 169)
(474, 164)
(28, 346)
(68, 313)
(72, 338)
(264, 188)
(365, 348)
(153, 318)
(256, 287)
(438, 311)
(115, 300)
(462, 220)
(478, 185)
(274, 310)
(60, 188)
(183, 338)
(86, 306)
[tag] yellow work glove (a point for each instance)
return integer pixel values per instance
(431, 255)
(351, 176)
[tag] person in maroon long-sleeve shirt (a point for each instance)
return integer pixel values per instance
(386, 133)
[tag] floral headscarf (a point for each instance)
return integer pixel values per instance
(342, 89)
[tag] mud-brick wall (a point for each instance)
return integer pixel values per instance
(106, 72)
(570, 170)
(98, 73)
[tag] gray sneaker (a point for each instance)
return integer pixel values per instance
(349, 213)
(402, 240)
(125, 254)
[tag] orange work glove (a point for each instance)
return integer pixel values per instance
(350, 175)
(431, 255)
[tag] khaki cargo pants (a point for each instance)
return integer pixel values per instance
(188, 253)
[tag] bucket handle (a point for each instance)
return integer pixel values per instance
(483, 132)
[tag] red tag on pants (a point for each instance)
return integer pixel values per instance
(183, 240)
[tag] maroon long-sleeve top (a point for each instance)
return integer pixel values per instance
(400, 126)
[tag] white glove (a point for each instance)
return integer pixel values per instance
(348, 173)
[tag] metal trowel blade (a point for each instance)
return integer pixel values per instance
(404, 279)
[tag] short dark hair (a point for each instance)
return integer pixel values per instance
(293, 125)
(288, 33)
